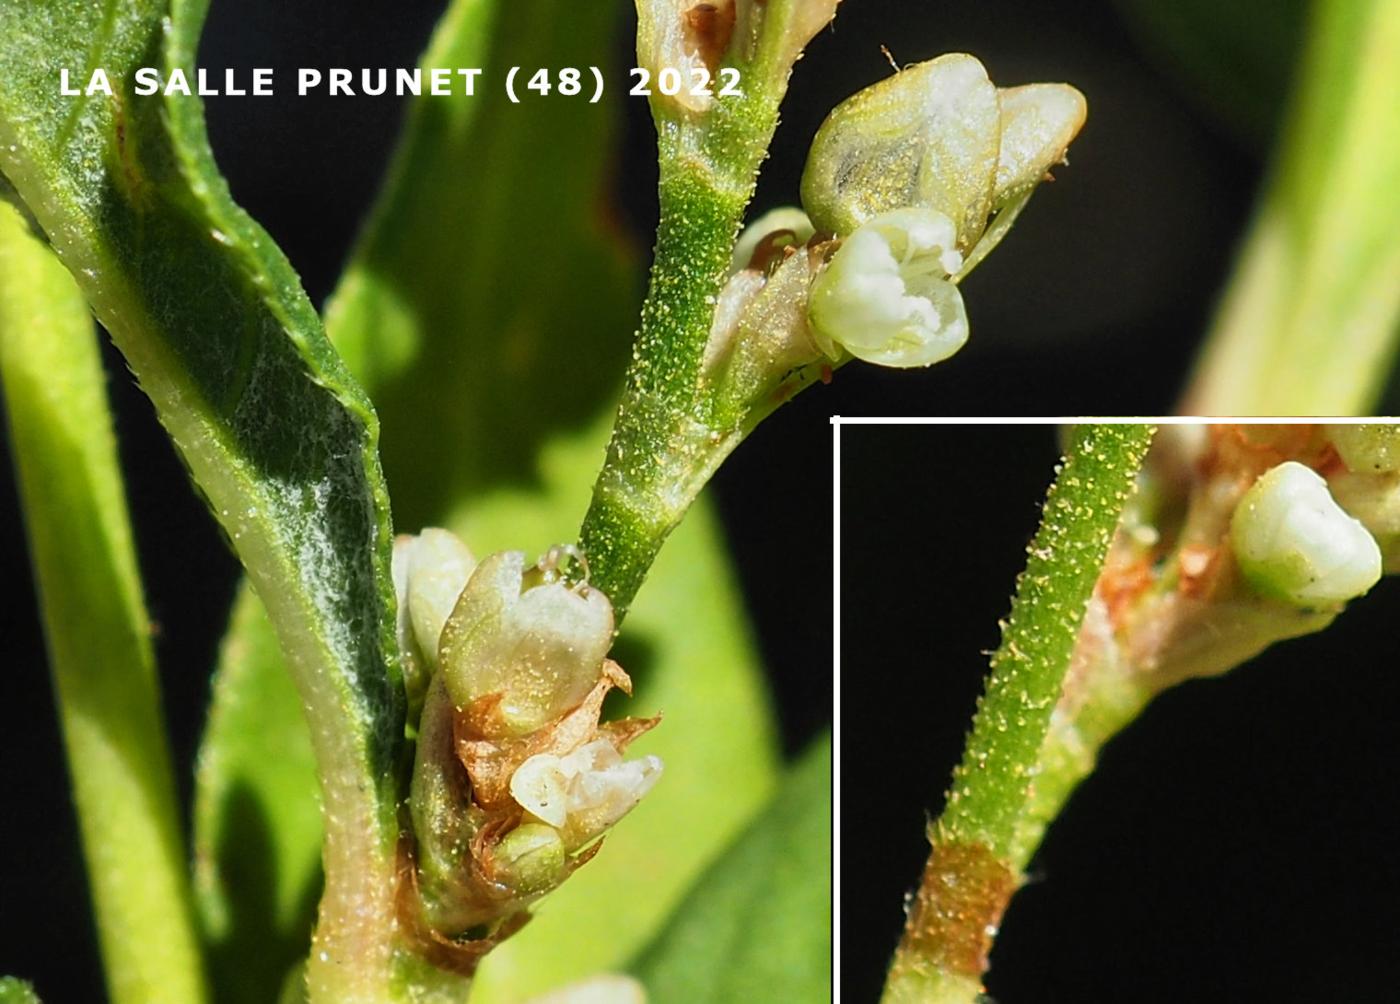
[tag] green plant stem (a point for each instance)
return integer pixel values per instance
(669, 437)
(96, 625)
(979, 848)
(1309, 322)
(663, 448)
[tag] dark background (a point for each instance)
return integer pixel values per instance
(1094, 305)
(1237, 842)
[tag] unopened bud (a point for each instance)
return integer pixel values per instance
(927, 136)
(885, 296)
(529, 859)
(538, 648)
(429, 571)
(1294, 543)
(436, 567)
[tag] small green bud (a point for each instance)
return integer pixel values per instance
(529, 859)
(527, 636)
(885, 296)
(1373, 448)
(1294, 543)
(939, 136)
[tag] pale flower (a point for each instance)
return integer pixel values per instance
(1293, 542)
(583, 792)
(887, 297)
(526, 638)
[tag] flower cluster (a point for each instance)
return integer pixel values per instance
(908, 185)
(514, 778)
(908, 173)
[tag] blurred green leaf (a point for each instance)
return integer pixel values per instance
(257, 816)
(757, 926)
(488, 308)
(17, 991)
(1309, 322)
(212, 320)
(96, 625)
(1235, 59)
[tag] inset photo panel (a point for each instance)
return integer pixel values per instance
(1115, 715)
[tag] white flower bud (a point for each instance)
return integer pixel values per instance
(885, 296)
(1294, 543)
(1037, 123)
(586, 791)
(539, 648)
(430, 572)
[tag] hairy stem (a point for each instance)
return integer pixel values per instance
(979, 850)
(663, 448)
(668, 438)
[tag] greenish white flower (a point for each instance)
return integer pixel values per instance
(887, 295)
(1293, 542)
(527, 638)
(584, 792)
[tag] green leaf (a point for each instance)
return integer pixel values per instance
(95, 621)
(1309, 322)
(257, 816)
(487, 310)
(757, 926)
(17, 991)
(213, 321)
